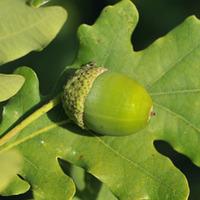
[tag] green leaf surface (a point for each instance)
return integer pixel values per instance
(129, 166)
(26, 29)
(16, 185)
(18, 106)
(10, 164)
(41, 169)
(168, 68)
(10, 85)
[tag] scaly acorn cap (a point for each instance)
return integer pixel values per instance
(77, 89)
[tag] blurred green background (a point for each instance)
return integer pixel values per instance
(157, 17)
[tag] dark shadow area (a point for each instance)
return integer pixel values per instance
(65, 166)
(158, 17)
(90, 10)
(26, 196)
(87, 186)
(191, 171)
(47, 63)
(62, 80)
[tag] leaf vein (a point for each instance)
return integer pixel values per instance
(22, 30)
(34, 134)
(195, 90)
(136, 165)
(189, 123)
(169, 68)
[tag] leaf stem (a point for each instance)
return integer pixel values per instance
(35, 115)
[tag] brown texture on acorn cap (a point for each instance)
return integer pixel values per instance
(77, 89)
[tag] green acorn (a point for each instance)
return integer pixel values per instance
(106, 102)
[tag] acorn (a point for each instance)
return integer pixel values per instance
(106, 102)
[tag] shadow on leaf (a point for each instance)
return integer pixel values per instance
(26, 196)
(87, 186)
(191, 171)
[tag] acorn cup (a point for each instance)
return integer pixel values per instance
(106, 102)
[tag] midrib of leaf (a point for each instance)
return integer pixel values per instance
(182, 118)
(34, 134)
(136, 165)
(195, 90)
(108, 52)
(172, 67)
(31, 163)
(28, 120)
(28, 27)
